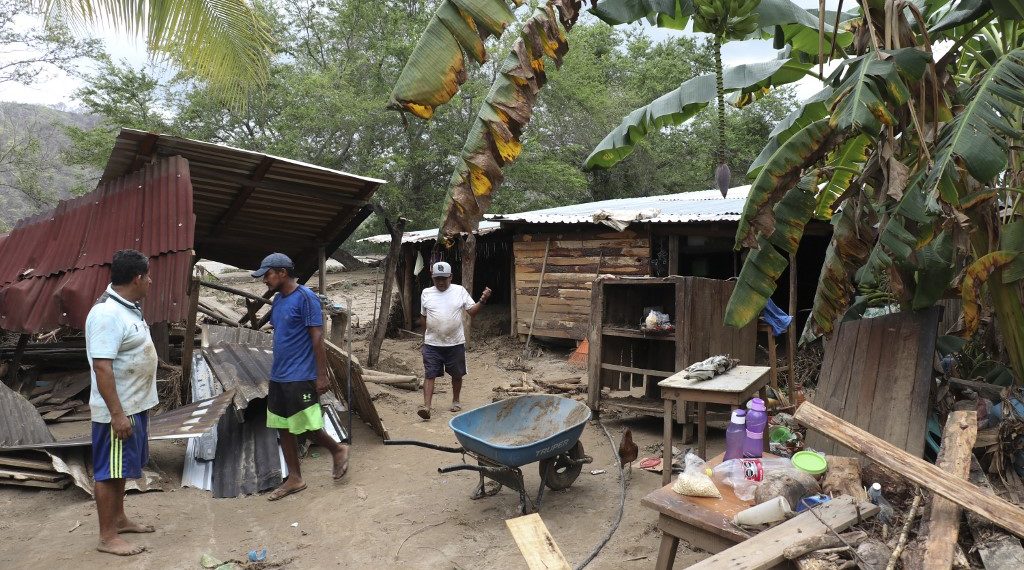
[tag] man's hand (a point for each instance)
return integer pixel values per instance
(120, 425)
(322, 385)
(485, 295)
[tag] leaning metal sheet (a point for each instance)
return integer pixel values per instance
(185, 422)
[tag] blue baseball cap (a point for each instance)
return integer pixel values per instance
(273, 261)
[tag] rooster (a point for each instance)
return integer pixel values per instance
(628, 451)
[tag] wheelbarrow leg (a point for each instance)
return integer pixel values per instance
(481, 490)
(543, 483)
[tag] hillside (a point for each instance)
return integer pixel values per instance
(32, 175)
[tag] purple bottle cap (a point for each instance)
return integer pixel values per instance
(756, 404)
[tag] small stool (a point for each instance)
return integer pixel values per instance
(734, 388)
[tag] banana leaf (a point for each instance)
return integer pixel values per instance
(1008, 9)
(682, 103)
(976, 139)
(780, 173)
(935, 271)
(853, 235)
(965, 12)
(974, 277)
(1011, 238)
(436, 68)
(910, 228)
(814, 108)
(764, 265)
(845, 162)
(862, 99)
(615, 12)
(494, 137)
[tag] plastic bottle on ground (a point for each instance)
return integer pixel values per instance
(735, 435)
(757, 420)
(886, 512)
(744, 475)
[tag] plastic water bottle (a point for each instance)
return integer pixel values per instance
(735, 435)
(757, 420)
(875, 495)
(744, 475)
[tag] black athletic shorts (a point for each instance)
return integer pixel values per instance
(294, 406)
(440, 359)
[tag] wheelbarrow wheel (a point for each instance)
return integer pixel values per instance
(563, 472)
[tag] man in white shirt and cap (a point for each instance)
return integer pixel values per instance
(444, 340)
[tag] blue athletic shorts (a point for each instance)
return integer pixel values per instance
(439, 359)
(114, 458)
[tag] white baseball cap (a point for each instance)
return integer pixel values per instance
(440, 269)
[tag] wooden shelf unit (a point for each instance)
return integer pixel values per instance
(631, 361)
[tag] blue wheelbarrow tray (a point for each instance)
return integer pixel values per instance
(506, 435)
(522, 430)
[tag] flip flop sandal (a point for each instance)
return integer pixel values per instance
(277, 495)
(423, 412)
(456, 407)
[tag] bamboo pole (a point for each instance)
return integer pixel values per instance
(536, 300)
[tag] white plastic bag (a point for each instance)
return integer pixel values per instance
(693, 481)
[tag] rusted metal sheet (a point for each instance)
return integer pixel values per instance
(20, 423)
(243, 368)
(55, 264)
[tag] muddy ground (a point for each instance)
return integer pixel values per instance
(392, 510)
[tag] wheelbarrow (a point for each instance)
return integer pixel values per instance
(506, 435)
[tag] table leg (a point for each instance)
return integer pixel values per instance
(667, 552)
(764, 396)
(702, 430)
(666, 454)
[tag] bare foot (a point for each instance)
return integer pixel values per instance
(341, 462)
(129, 526)
(287, 488)
(119, 547)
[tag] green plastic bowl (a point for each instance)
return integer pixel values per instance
(810, 462)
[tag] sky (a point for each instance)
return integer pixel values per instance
(57, 88)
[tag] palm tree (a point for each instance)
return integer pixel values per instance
(226, 42)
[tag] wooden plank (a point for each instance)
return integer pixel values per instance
(583, 292)
(30, 474)
(765, 550)
(634, 243)
(188, 344)
(739, 379)
(362, 403)
(943, 523)
(26, 463)
(58, 484)
(536, 544)
(595, 346)
(527, 270)
(998, 550)
(611, 261)
(626, 250)
(634, 370)
(917, 470)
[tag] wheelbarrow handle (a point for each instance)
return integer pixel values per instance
(485, 469)
(426, 444)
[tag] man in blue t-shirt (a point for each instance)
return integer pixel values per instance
(299, 373)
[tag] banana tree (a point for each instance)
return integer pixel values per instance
(436, 68)
(915, 158)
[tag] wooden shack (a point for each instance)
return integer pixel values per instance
(544, 262)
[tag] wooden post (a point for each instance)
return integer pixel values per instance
(673, 255)
(12, 372)
(468, 269)
(791, 333)
(536, 301)
(188, 344)
(322, 282)
(160, 333)
(408, 284)
(955, 458)
(380, 326)
(513, 293)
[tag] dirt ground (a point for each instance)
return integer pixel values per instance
(392, 510)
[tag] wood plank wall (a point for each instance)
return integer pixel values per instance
(574, 261)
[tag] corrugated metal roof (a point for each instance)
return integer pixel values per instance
(684, 207)
(248, 204)
(55, 264)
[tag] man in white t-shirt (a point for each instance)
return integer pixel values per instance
(123, 362)
(444, 341)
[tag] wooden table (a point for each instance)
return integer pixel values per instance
(734, 387)
(703, 522)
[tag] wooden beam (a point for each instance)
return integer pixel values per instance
(239, 292)
(188, 344)
(765, 550)
(333, 235)
(244, 193)
(407, 285)
(322, 273)
(970, 497)
(147, 148)
(468, 270)
(536, 544)
(380, 326)
(673, 255)
(943, 524)
(15, 364)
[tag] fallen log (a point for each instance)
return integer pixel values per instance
(970, 497)
(820, 542)
(387, 377)
(943, 524)
(844, 478)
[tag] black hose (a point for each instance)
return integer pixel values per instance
(622, 503)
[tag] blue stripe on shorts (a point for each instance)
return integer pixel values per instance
(114, 458)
